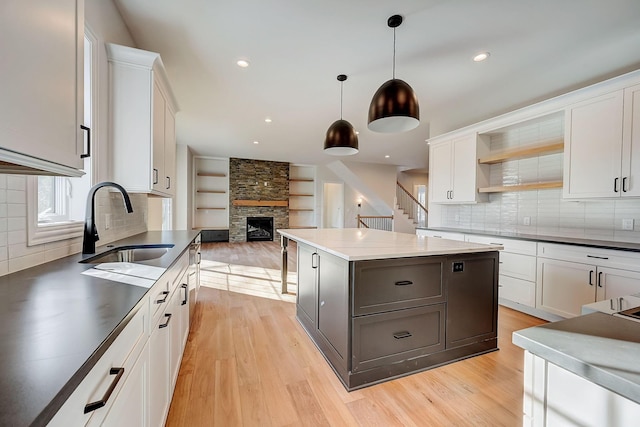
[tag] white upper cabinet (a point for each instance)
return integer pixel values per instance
(631, 142)
(42, 86)
(143, 111)
(602, 141)
(454, 170)
(593, 147)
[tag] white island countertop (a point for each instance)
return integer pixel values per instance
(358, 244)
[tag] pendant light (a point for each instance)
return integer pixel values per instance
(394, 107)
(341, 139)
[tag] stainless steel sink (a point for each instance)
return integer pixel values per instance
(130, 254)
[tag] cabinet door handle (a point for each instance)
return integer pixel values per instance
(88, 153)
(451, 194)
(624, 184)
(402, 335)
(165, 324)
(404, 283)
(314, 263)
(118, 372)
(591, 277)
(600, 279)
(155, 176)
(597, 257)
(163, 300)
(186, 293)
(168, 182)
(615, 185)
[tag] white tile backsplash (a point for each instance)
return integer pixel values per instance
(16, 255)
(549, 214)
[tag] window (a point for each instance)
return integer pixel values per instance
(56, 205)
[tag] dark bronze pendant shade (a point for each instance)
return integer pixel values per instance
(394, 107)
(341, 139)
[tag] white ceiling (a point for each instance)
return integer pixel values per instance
(539, 49)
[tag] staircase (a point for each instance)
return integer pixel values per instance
(408, 205)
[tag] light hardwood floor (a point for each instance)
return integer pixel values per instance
(249, 363)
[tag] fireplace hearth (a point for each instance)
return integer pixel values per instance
(259, 228)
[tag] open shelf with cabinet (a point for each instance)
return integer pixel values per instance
(536, 139)
(302, 190)
(211, 193)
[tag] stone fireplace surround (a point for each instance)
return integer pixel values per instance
(247, 180)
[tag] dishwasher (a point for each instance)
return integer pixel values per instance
(193, 277)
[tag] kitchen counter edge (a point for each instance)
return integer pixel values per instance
(592, 243)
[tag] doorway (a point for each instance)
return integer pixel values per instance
(333, 205)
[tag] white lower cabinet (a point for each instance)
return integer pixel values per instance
(130, 407)
(517, 280)
(565, 285)
(135, 378)
(117, 371)
(159, 371)
(554, 396)
(179, 328)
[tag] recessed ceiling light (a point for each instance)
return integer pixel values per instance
(357, 133)
(387, 156)
(243, 63)
(268, 120)
(256, 142)
(481, 56)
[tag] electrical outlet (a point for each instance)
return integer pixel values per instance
(627, 224)
(526, 220)
(457, 219)
(107, 221)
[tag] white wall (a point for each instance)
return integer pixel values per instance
(381, 179)
(351, 210)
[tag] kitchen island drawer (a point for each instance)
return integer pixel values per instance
(385, 285)
(388, 338)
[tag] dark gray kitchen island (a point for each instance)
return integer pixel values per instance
(380, 305)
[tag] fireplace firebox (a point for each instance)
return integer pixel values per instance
(259, 228)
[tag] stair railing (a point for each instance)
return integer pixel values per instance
(411, 206)
(377, 222)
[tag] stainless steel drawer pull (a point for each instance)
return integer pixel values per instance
(597, 257)
(494, 243)
(118, 372)
(404, 283)
(165, 324)
(163, 300)
(401, 335)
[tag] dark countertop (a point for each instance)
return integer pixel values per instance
(602, 244)
(598, 347)
(56, 323)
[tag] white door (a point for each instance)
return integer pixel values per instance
(440, 170)
(333, 205)
(631, 143)
(615, 283)
(593, 147)
(463, 181)
(564, 287)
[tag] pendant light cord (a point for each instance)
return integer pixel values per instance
(394, 53)
(341, 83)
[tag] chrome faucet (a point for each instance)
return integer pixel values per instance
(90, 231)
